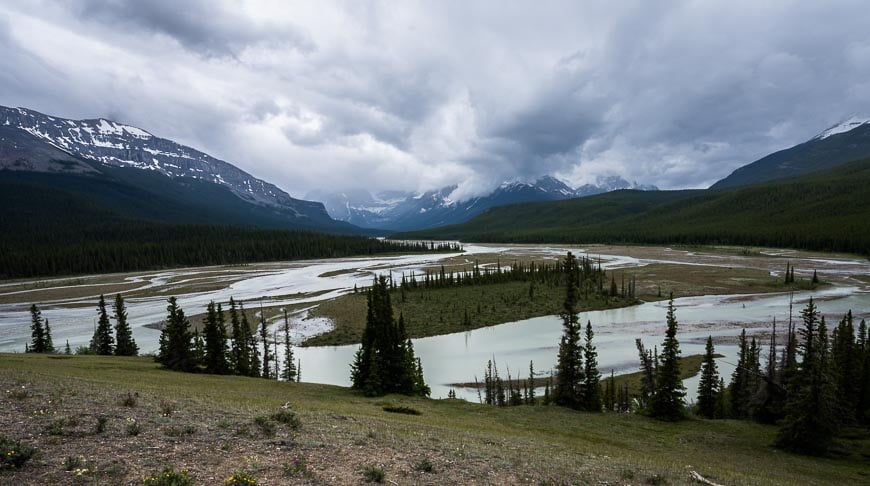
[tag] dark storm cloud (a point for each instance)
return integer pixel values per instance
(204, 26)
(417, 96)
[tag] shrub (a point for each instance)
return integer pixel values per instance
(404, 410)
(73, 462)
(102, 421)
(130, 400)
(425, 466)
(297, 467)
(57, 427)
(179, 431)
(265, 425)
(373, 474)
(18, 393)
(287, 418)
(169, 477)
(241, 478)
(133, 427)
(166, 408)
(14, 453)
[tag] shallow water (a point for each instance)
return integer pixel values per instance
(461, 357)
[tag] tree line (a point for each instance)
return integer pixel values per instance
(107, 340)
(123, 247)
(239, 349)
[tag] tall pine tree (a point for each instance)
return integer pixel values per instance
(289, 371)
(239, 357)
(592, 377)
(215, 342)
(37, 331)
(176, 340)
(667, 402)
(811, 420)
(569, 365)
(385, 362)
(708, 387)
(124, 343)
(102, 342)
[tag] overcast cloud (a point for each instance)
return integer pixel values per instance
(407, 95)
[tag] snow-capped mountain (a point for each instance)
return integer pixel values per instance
(844, 142)
(407, 211)
(844, 126)
(115, 144)
(130, 171)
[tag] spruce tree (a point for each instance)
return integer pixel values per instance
(667, 402)
(176, 340)
(124, 343)
(102, 343)
(264, 335)
(37, 331)
(592, 377)
(385, 361)
(739, 390)
(289, 371)
(845, 364)
(67, 350)
(49, 343)
(239, 356)
(253, 351)
(811, 421)
(708, 388)
(215, 342)
(569, 365)
(862, 345)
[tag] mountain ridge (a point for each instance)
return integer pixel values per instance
(843, 142)
(411, 211)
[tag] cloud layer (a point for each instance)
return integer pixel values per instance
(415, 96)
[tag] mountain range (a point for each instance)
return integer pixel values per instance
(404, 211)
(128, 171)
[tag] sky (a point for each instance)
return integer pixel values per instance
(418, 95)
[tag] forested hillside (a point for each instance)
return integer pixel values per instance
(821, 211)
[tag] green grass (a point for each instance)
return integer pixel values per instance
(821, 211)
(432, 312)
(465, 442)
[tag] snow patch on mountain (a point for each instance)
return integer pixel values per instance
(844, 126)
(116, 144)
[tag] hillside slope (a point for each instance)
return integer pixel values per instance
(842, 143)
(822, 211)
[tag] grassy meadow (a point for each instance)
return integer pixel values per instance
(215, 425)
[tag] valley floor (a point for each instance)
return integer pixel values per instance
(206, 424)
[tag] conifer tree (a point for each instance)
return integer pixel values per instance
(811, 419)
(592, 377)
(239, 356)
(648, 365)
(708, 387)
(67, 350)
(253, 351)
(215, 342)
(739, 392)
(289, 371)
(124, 343)
(569, 365)
(769, 403)
(667, 402)
(845, 364)
(49, 343)
(385, 361)
(267, 356)
(102, 343)
(531, 399)
(862, 346)
(299, 370)
(37, 331)
(176, 340)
